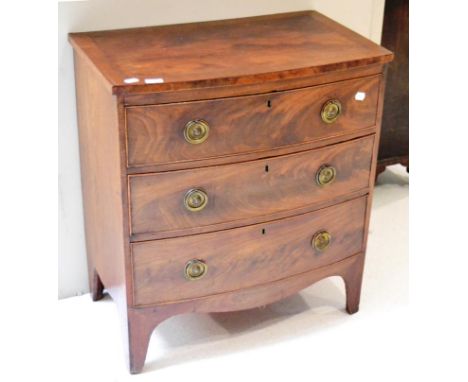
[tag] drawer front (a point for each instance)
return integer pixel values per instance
(158, 134)
(247, 256)
(238, 192)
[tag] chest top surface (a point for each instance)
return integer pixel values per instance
(227, 52)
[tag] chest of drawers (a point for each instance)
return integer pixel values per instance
(225, 165)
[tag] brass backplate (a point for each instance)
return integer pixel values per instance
(196, 131)
(195, 269)
(331, 110)
(195, 199)
(321, 241)
(326, 174)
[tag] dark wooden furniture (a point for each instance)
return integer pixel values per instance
(394, 139)
(227, 164)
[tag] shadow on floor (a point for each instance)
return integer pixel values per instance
(199, 336)
(394, 175)
(391, 187)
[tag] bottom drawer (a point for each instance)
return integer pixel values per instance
(188, 267)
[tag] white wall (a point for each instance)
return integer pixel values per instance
(363, 16)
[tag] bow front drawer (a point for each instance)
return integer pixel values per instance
(180, 202)
(196, 131)
(199, 265)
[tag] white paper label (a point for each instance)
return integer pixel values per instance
(132, 80)
(157, 80)
(360, 96)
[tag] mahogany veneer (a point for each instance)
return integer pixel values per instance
(244, 191)
(226, 164)
(247, 124)
(244, 257)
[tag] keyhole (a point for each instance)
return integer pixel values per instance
(269, 103)
(266, 168)
(263, 231)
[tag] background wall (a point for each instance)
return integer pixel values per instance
(363, 16)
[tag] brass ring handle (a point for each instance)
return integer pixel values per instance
(196, 131)
(325, 175)
(331, 110)
(321, 241)
(195, 199)
(195, 269)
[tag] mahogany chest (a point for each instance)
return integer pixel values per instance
(225, 165)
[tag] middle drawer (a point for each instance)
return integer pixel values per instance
(177, 202)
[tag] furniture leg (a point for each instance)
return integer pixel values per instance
(140, 327)
(95, 285)
(353, 280)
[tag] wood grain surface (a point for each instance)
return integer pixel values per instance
(247, 256)
(103, 186)
(226, 52)
(247, 190)
(247, 124)
(214, 92)
(143, 320)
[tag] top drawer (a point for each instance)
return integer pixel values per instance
(161, 134)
